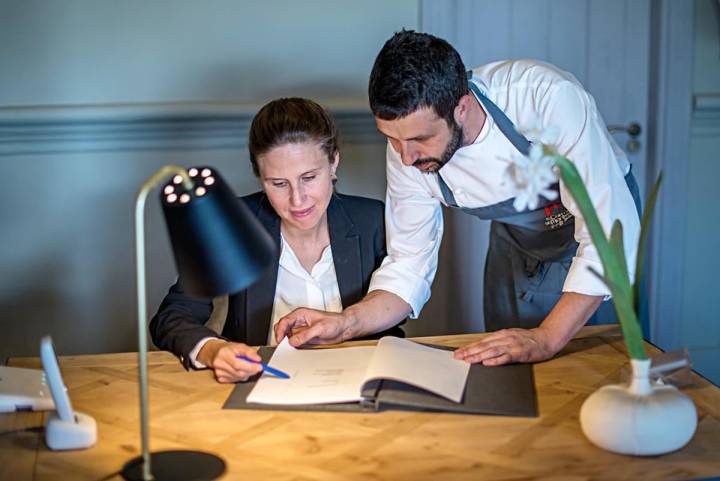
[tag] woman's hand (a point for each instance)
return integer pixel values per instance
(221, 357)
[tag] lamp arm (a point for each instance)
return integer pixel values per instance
(152, 181)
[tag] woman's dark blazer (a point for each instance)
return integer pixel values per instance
(357, 237)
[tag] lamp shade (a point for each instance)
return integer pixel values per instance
(219, 246)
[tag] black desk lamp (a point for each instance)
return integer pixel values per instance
(219, 248)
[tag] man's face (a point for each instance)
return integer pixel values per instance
(422, 139)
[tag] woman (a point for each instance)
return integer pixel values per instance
(329, 245)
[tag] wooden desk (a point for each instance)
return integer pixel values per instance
(185, 413)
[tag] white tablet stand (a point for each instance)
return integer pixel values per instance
(64, 429)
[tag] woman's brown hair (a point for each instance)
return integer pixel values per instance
(291, 120)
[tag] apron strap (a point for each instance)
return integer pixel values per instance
(505, 125)
(446, 192)
(503, 122)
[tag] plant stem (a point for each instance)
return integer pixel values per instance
(615, 271)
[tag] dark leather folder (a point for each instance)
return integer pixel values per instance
(502, 390)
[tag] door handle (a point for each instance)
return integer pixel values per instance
(633, 129)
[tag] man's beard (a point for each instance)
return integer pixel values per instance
(433, 163)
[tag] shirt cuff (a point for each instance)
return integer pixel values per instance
(196, 350)
(582, 280)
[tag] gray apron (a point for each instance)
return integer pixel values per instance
(530, 252)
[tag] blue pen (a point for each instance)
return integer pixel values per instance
(271, 370)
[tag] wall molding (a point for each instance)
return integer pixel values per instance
(149, 126)
(705, 127)
(706, 115)
(707, 102)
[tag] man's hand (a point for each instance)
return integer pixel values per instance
(533, 345)
(310, 326)
(377, 311)
(509, 345)
(221, 357)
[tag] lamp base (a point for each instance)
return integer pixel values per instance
(174, 465)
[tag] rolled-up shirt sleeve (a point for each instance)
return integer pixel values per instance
(414, 228)
(585, 140)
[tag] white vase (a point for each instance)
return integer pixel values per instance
(640, 419)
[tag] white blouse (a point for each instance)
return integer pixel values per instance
(296, 288)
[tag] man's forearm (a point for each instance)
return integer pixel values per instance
(568, 316)
(377, 311)
(534, 345)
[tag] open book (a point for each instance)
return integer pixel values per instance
(395, 374)
(341, 375)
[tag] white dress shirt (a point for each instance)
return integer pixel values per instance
(295, 288)
(526, 91)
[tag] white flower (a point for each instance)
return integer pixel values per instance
(532, 175)
(535, 133)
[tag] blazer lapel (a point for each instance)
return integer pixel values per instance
(261, 294)
(345, 243)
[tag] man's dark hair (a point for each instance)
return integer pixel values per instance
(415, 70)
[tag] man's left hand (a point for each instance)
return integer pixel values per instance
(508, 346)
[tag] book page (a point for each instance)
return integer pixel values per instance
(429, 368)
(317, 376)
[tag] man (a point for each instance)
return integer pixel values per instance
(450, 141)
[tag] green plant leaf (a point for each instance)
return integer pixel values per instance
(642, 241)
(618, 246)
(629, 324)
(576, 186)
(612, 258)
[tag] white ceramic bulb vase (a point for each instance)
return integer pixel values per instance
(640, 419)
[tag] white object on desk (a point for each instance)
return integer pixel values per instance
(639, 419)
(23, 390)
(64, 429)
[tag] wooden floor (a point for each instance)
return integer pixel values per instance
(186, 413)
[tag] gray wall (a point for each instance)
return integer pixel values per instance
(96, 95)
(87, 52)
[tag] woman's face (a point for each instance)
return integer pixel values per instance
(297, 179)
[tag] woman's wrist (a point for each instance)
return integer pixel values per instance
(209, 351)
